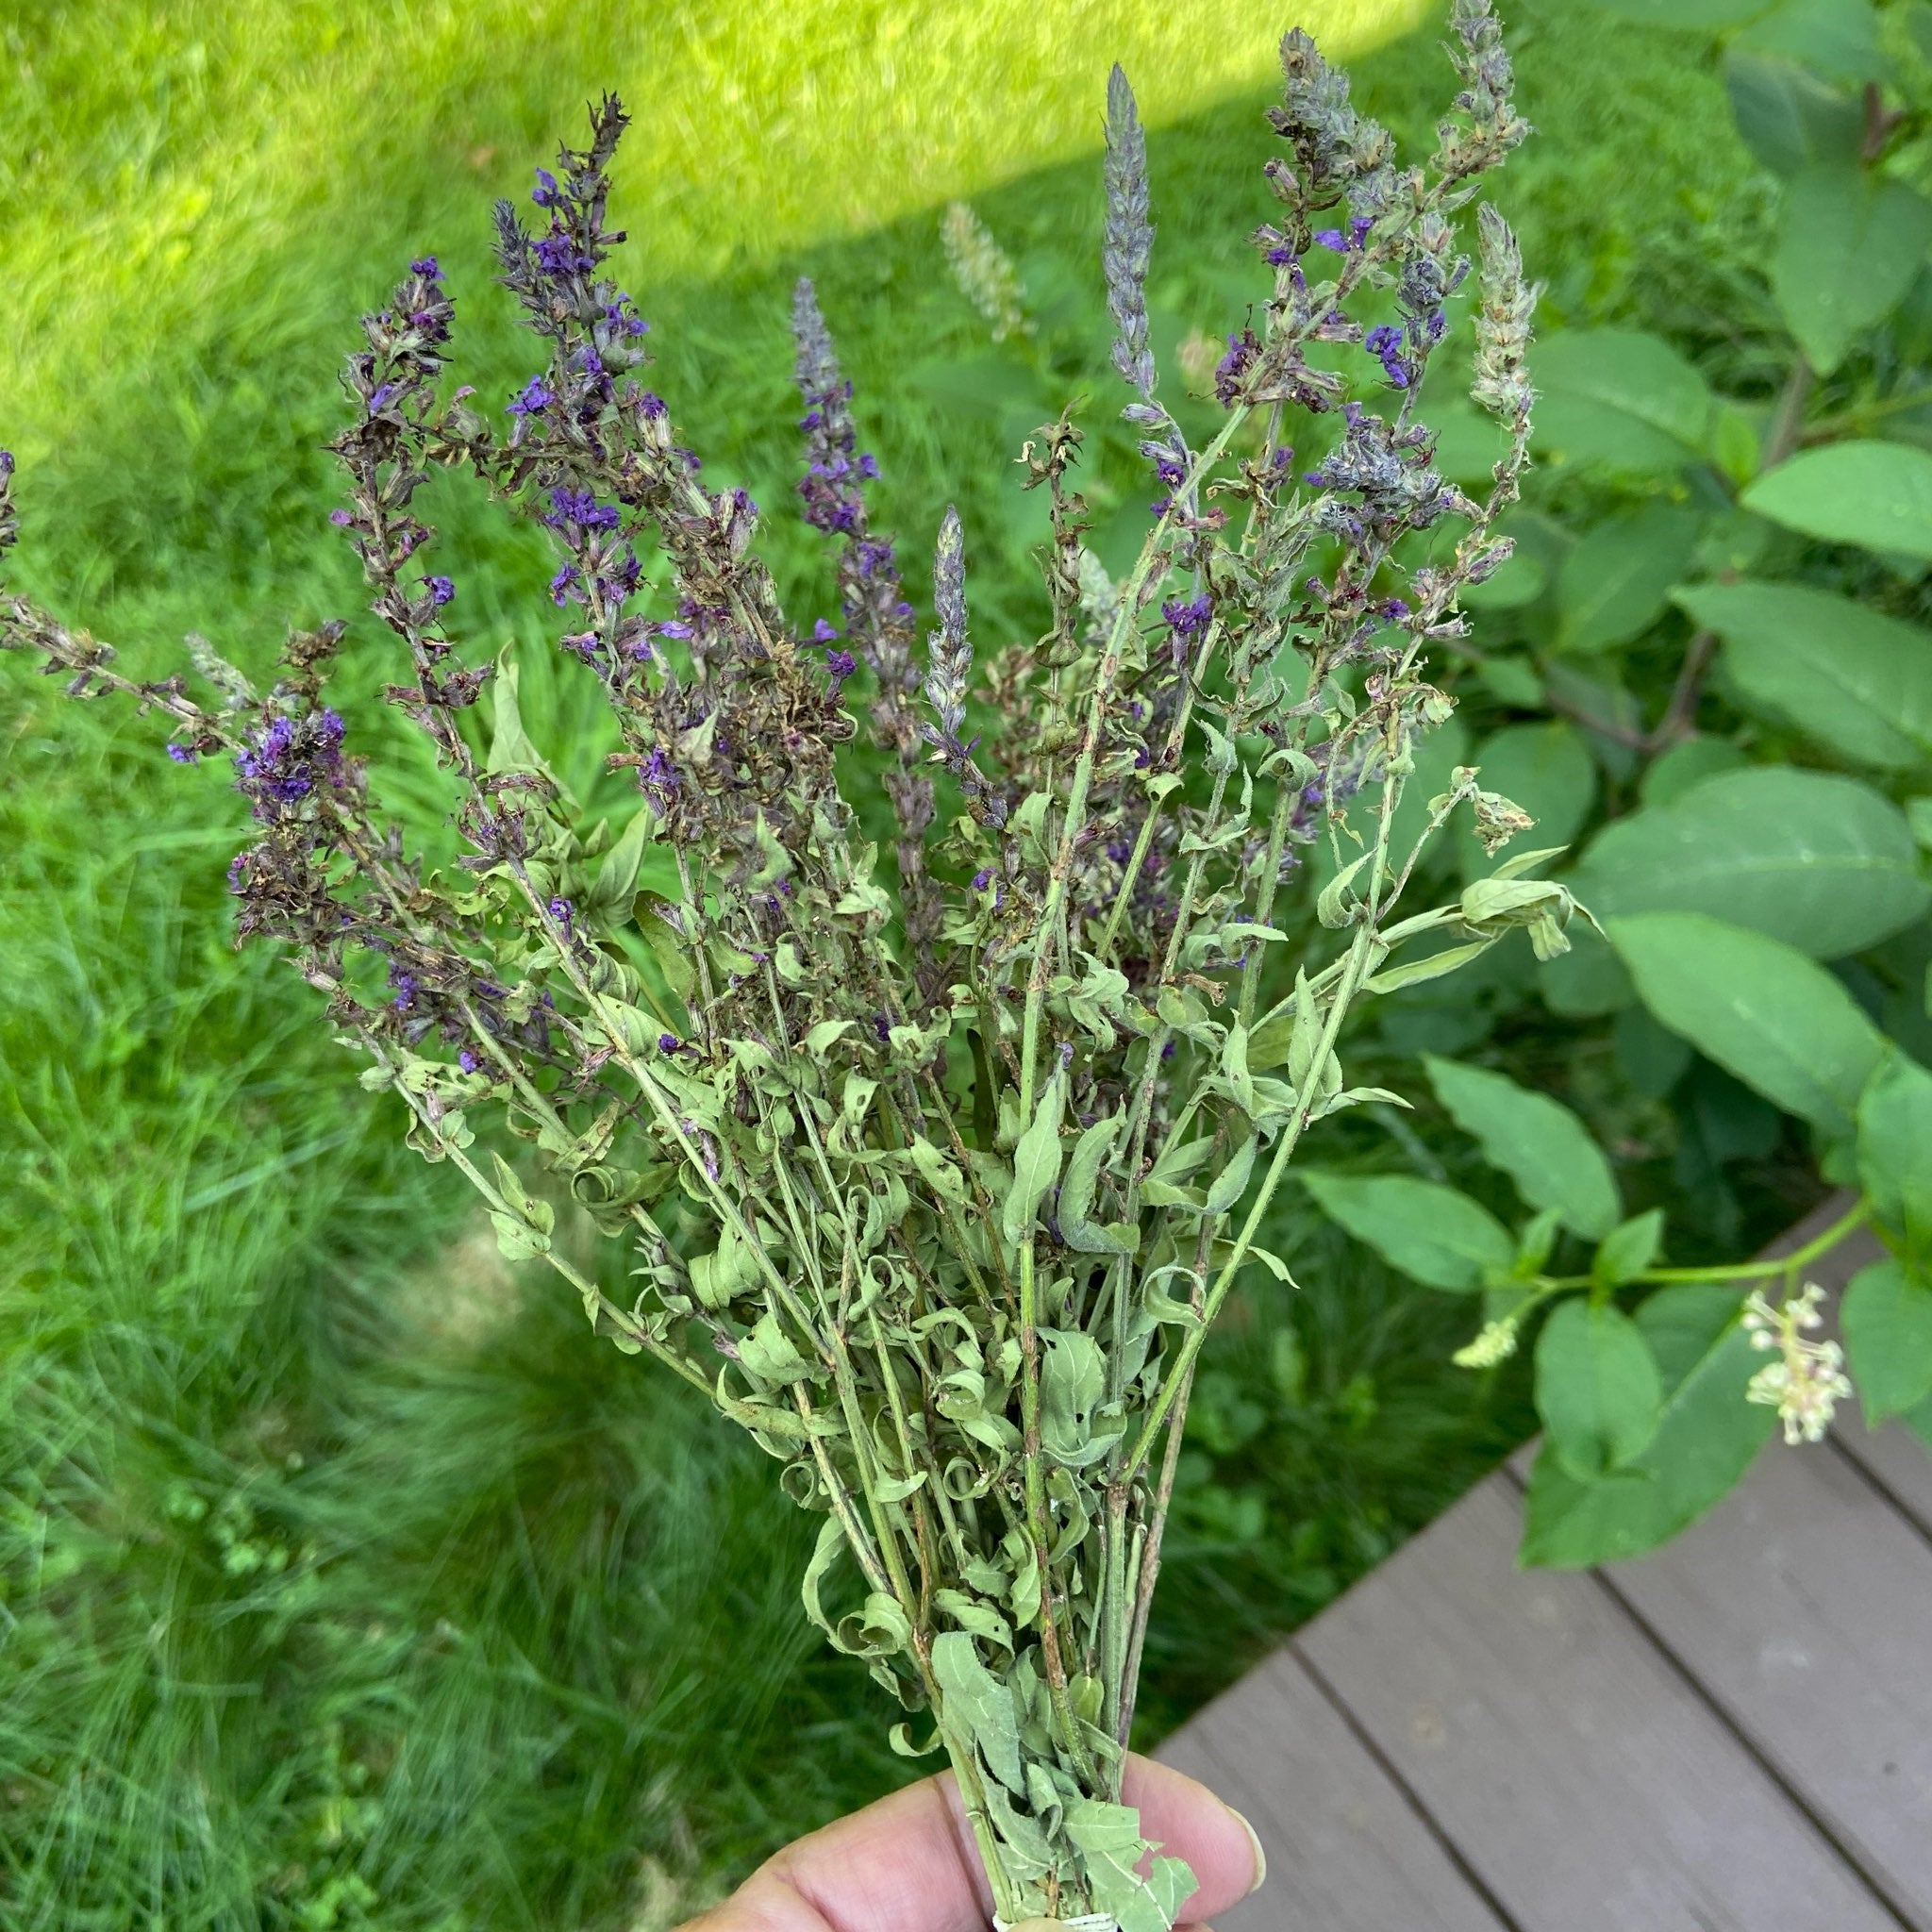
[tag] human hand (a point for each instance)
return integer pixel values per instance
(908, 1863)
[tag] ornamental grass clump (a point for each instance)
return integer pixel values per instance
(933, 1158)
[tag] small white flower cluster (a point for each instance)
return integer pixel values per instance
(1496, 1343)
(1808, 1381)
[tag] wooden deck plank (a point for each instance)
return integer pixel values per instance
(1895, 1459)
(1586, 1786)
(1346, 1852)
(1799, 1605)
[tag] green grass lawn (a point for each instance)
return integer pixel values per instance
(343, 1582)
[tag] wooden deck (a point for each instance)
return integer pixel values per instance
(1734, 1734)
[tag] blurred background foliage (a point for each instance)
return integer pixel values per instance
(343, 1583)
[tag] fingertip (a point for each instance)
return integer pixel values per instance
(1260, 1853)
(1186, 1819)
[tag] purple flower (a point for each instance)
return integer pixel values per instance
(670, 627)
(562, 912)
(982, 878)
(469, 1062)
(181, 753)
(668, 1043)
(560, 585)
(842, 664)
(532, 399)
(406, 986)
(381, 397)
(659, 776)
(579, 506)
(1242, 351)
(1332, 238)
(546, 192)
(652, 405)
(1187, 620)
(5, 462)
(824, 632)
(1385, 342)
(340, 519)
(428, 268)
(1280, 256)
(561, 256)
(441, 591)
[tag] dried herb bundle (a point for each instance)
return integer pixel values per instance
(927, 1161)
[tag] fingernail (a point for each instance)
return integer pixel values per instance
(1260, 1857)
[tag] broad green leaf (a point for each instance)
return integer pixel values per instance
(767, 1352)
(1617, 581)
(1536, 1140)
(1470, 443)
(658, 920)
(1848, 247)
(1851, 678)
(1621, 398)
(939, 1173)
(1077, 1227)
(1629, 1248)
(1895, 1152)
(1035, 1161)
(1707, 1437)
(617, 877)
(1110, 1837)
(516, 1241)
(1888, 1322)
(1920, 1422)
(1877, 495)
(1823, 862)
(1837, 39)
(1548, 770)
(1762, 1010)
(975, 1703)
(511, 749)
(1228, 1186)
(826, 1552)
(1688, 761)
(1586, 982)
(1433, 1234)
(1786, 116)
(1073, 1380)
(1436, 755)
(1597, 1388)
